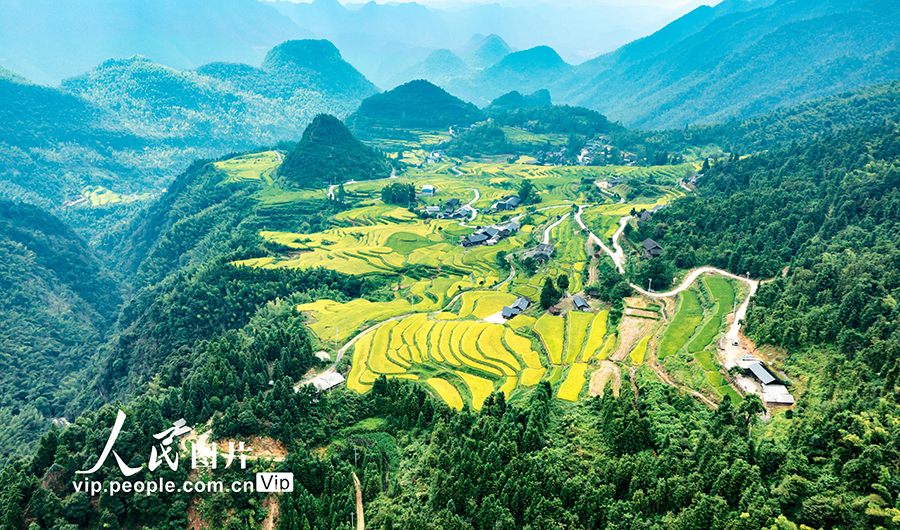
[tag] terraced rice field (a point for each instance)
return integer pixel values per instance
(723, 293)
(571, 387)
(576, 331)
(552, 331)
(432, 327)
(686, 320)
(637, 354)
(595, 338)
(256, 166)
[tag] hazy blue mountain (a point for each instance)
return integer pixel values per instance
(440, 67)
(706, 67)
(382, 40)
(515, 100)
(47, 41)
(525, 71)
(484, 52)
(417, 104)
(228, 105)
(131, 124)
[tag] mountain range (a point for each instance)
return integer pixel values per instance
(734, 60)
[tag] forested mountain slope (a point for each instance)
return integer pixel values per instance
(234, 106)
(131, 125)
(868, 107)
(416, 104)
(819, 219)
(743, 64)
(58, 303)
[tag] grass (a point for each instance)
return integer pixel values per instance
(723, 293)
(637, 354)
(686, 320)
(571, 387)
(595, 338)
(552, 330)
(576, 332)
(446, 391)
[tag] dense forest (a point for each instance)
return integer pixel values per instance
(414, 105)
(329, 154)
(58, 303)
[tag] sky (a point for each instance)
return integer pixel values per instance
(667, 4)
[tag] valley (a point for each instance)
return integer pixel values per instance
(383, 274)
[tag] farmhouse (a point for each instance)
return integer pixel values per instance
(477, 238)
(521, 304)
(451, 203)
(542, 252)
(652, 249)
(644, 216)
(428, 190)
(489, 235)
(609, 183)
(774, 392)
(432, 209)
(509, 203)
(760, 373)
(327, 381)
(580, 303)
(508, 229)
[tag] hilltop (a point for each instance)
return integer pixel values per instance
(439, 68)
(416, 104)
(225, 103)
(484, 52)
(328, 152)
(711, 65)
(525, 71)
(515, 100)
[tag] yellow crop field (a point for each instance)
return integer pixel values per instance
(254, 166)
(447, 392)
(576, 333)
(445, 343)
(360, 356)
(595, 338)
(490, 343)
(434, 339)
(571, 387)
(520, 345)
(552, 329)
(608, 347)
(345, 318)
(467, 351)
(489, 304)
(479, 387)
(637, 354)
(521, 321)
(509, 386)
(532, 376)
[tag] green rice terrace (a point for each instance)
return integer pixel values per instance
(445, 325)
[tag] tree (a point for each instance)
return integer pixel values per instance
(549, 294)
(562, 282)
(526, 192)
